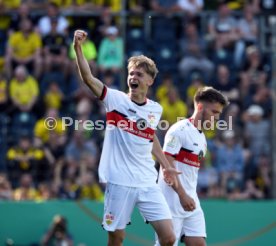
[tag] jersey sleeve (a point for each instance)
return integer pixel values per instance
(111, 98)
(172, 144)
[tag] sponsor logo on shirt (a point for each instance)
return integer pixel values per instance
(139, 128)
(190, 162)
(141, 124)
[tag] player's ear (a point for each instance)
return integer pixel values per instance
(199, 107)
(150, 82)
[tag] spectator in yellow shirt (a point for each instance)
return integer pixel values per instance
(197, 82)
(53, 96)
(90, 189)
(63, 4)
(97, 5)
(44, 192)
(173, 106)
(80, 5)
(43, 128)
(26, 190)
(24, 48)
(24, 90)
(11, 4)
(162, 90)
(24, 157)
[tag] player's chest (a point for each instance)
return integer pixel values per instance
(195, 142)
(140, 114)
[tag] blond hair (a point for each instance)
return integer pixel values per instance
(144, 62)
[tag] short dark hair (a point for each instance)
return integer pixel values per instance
(211, 95)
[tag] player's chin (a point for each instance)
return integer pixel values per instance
(133, 90)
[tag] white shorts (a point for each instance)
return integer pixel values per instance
(120, 201)
(193, 225)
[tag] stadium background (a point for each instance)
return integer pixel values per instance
(55, 169)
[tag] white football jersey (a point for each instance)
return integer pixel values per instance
(126, 156)
(188, 146)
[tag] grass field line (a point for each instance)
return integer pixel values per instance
(248, 237)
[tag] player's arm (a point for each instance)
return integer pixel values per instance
(170, 172)
(186, 201)
(95, 85)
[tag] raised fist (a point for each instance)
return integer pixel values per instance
(79, 37)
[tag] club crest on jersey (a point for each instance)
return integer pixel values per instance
(109, 218)
(200, 155)
(151, 119)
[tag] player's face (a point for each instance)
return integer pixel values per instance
(211, 112)
(138, 81)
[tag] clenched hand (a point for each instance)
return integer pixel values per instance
(79, 37)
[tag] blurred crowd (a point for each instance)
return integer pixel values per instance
(194, 43)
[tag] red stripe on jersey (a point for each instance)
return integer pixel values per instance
(103, 93)
(120, 121)
(167, 153)
(188, 158)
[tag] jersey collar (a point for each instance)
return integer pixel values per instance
(192, 122)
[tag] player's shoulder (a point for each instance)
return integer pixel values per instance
(154, 105)
(115, 92)
(180, 125)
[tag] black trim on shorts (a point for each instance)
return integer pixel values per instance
(182, 238)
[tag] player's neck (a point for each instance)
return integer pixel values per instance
(195, 120)
(138, 99)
